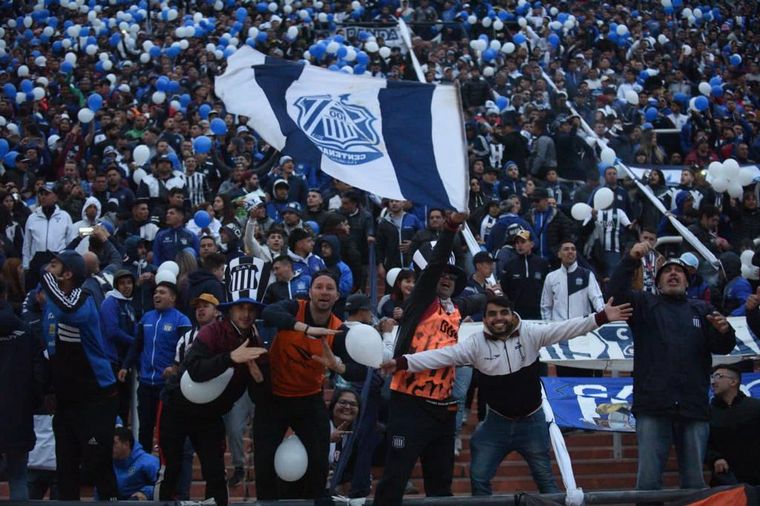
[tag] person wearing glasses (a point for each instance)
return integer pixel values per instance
(734, 441)
(505, 353)
(674, 338)
(344, 410)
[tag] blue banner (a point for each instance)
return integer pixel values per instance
(604, 404)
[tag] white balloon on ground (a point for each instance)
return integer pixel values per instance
(170, 266)
(203, 392)
(581, 211)
(141, 154)
(166, 276)
(603, 198)
(608, 156)
(365, 345)
(291, 460)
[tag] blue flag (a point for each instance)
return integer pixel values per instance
(397, 139)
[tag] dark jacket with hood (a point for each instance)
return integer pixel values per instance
(142, 297)
(734, 436)
(337, 266)
(674, 344)
(665, 227)
(201, 281)
(22, 374)
(737, 288)
(523, 281)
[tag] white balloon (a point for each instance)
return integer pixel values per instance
(750, 272)
(20, 98)
(686, 49)
(622, 30)
(333, 47)
(632, 97)
(371, 47)
(49, 31)
(735, 190)
(144, 58)
(486, 22)
(472, 19)
(666, 3)
(746, 257)
(686, 12)
(138, 176)
(719, 184)
(291, 460)
(141, 154)
(488, 72)
(322, 17)
(662, 39)
(350, 54)
(166, 276)
(91, 49)
(273, 7)
(107, 65)
(495, 45)
(569, 24)
(158, 97)
(608, 156)
(555, 25)
(697, 13)
(23, 71)
(293, 32)
(385, 52)
(184, 44)
(705, 88)
(603, 198)
(365, 345)
(391, 275)
(748, 174)
(715, 169)
(522, 22)
(508, 48)
(481, 44)
(175, 105)
(731, 168)
(203, 392)
(172, 14)
(28, 21)
(39, 93)
(85, 115)
(581, 211)
(170, 266)
(498, 25)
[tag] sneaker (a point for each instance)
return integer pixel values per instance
(457, 446)
(237, 477)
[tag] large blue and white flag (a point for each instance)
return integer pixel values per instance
(396, 139)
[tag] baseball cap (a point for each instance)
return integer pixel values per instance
(286, 158)
(48, 187)
(539, 193)
(281, 182)
(672, 261)
(205, 297)
(357, 302)
(73, 262)
(52, 140)
(292, 207)
(522, 234)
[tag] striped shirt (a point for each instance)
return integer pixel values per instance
(184, 343)
(610, 223)
(198, 188)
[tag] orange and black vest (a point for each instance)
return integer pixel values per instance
(435, 330)
(294, 372)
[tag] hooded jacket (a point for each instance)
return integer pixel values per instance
(522, 280)
(43, 234)
(674, 344)
(389, 237)
(570, 292)
(142, 297)
(136, 473)
(170, 241)
(737, 289)
(22, 375)
(309, 265)
(335, 265)
(201, 281)
(118, 322)
(73, 231)
(734, 436)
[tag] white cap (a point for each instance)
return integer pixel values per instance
(12, 128)
(52, 140)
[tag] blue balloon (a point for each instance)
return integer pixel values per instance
(262, 7)
(10, 91)
(173, 87)
(203, 111)
(95, 101)
(735, 60)
(562, 17)
(362, 58)
(502, 103)
(681, 98)
(716, 81)
(184, 99)
(202, 219)
(57, 46)
(360, 69)
(363, 36)
(9, 160)
(519, 39)
(27, 86)
(67, 67)
(669, 10)
(114, 40)
(553, 39)
(241, 14)
(343, 51)
(173, 51)
(650, 114)
(262, 37)
(218, 126)
(717, 91)
(334, 68)
(154, 52)
(202, 144)
(701, 103)
(162, 84)
(4, 146)
(489, 54)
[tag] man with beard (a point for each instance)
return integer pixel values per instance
(506, 353)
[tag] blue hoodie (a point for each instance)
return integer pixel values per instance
(136, 473)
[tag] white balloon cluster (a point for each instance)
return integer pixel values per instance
(603, 198)
(167, 271)
(729, 177)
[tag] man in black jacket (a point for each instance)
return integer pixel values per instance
(674, 338)
(523, 278)
(734, 442)
(207, 279)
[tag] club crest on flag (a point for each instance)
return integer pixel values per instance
(342, 131)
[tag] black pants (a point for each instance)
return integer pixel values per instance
(148, 397)
(308, 418)
(207, 436)
(84, 439)
(417, 429)
(40, 481)
(125, 397)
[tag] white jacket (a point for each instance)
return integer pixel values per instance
(41, 234)
(570, 293)
(496, 357)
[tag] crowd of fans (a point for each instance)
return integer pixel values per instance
(116, 152)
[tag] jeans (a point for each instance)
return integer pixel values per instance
(655, 434)
(462, 382)
(17, 480)
(497, 436)
(185, 480)
(234, 424)
(148, 397)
